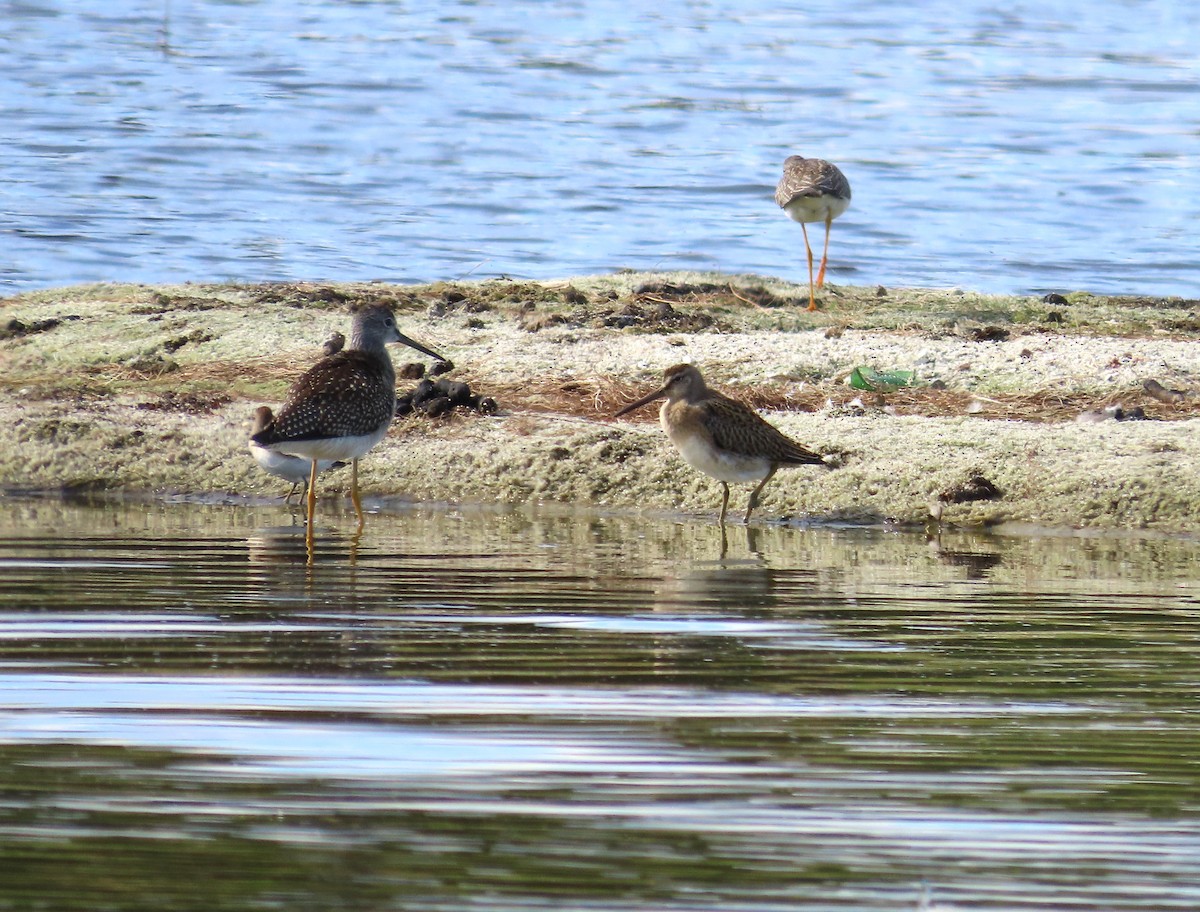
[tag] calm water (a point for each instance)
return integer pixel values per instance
(475, 710)
(1021, 147)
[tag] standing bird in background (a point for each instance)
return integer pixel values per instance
(343, 405)
(812, 190)
(289, 468)
(720, 436)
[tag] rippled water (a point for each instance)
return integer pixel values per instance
(475, 709)
(1027, 147)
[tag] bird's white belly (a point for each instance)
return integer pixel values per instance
(333, 449)
(289, 468)
(721, 465)
(815, 208)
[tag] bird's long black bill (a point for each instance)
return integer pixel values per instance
(643, 401)
(405, 340)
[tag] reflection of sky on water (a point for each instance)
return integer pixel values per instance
(489, 704)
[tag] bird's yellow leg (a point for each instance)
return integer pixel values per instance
(724, 504)
(312, 507)
(312, 493)
(825, 252)
(812, 295)
(754, 494)
(354, 492)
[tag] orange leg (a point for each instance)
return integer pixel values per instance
(812, 297)
(354, 492)
(825, 254)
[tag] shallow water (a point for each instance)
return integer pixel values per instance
(1024, 148)
(470, 709)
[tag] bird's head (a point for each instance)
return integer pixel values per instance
(683, 381)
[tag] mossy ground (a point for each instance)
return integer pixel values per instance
(135, 388)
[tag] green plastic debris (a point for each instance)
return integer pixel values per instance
(867, 378)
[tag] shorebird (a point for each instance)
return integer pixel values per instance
(289, 468)
(343, 405)
(812, 190)
(720, 436)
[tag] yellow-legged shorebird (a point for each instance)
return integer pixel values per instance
(343, 405)
(289, 468)
(720, 436)
(812, 190)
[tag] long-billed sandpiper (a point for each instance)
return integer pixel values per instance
(343, 405)
(812, 190)
(720, 436)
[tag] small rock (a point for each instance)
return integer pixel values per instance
(334, 344)
(989, 334)
(413, 370)
(1156, 390)
(442, 367)
(457, 392)
(422, 392)
(975, 488)
(1056, 299)
(437, 406)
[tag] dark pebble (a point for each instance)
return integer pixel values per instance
(404, 405)
(442, 367)
(1056, 299)
(423, 391)
(975, 488)
(437, 406)
(413, 370)
(457, 392)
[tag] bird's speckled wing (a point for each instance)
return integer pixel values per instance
(810, 177)
(344, 395)
(737, 428)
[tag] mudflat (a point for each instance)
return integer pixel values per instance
(1072, 410)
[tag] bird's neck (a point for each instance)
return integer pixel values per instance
(376, 352)
(366, 342)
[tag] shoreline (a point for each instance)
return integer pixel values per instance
(150, 389)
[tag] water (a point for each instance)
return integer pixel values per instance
(1015, 148)
(485, 709)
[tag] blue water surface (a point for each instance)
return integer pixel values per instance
(1023, 147)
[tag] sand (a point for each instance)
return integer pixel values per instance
(138, 389)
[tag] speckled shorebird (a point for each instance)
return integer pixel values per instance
(289, 468)
(720, 436)
(343, 405)
(812, 190)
